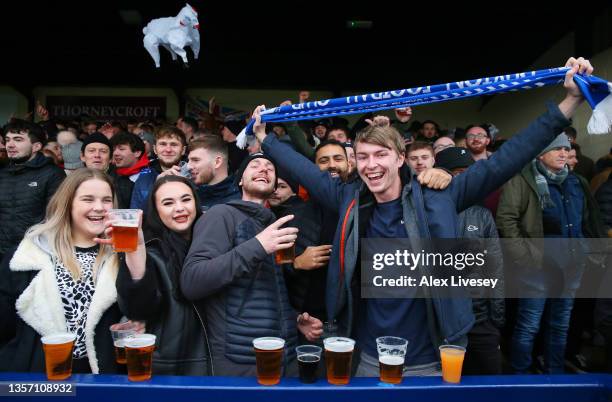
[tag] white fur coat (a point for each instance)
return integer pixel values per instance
(40, 305)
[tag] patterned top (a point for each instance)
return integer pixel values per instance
(76, 296)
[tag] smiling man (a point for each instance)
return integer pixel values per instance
(130, 160)
(388, 202)
(230, 270)
(26, 183)
(477, 139)
(170, 146)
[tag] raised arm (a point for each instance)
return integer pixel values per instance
(320, 185)
(487, 175)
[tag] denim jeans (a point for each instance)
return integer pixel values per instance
(555, 324)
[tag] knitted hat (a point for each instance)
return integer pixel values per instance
(454, 158)
(147, 137)
(560, 142)
(284, 174)
(235, 126)
(245, 163)
(72, 155)
(96, 137)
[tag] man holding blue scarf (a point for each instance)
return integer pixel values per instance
(389, 202)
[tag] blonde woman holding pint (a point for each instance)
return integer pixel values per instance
(59, 280)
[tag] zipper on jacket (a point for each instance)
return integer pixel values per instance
(210, 356)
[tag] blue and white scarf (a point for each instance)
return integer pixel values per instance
(596, 91)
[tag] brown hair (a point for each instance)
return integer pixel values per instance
(170, 131)
(417, 145)
(212, 143)
(387, 137)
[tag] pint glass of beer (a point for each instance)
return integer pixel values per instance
(58, 355)
(338, 358)
(391, 354)
(269, 359)
(125, 229)
(285, 256)
(452, 362)
(120, 332)
(139, 356)
(308, 357)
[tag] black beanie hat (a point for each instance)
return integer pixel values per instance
(235, 126)
(453, 158)
(245, 163)
(96, 137)
(284, 174)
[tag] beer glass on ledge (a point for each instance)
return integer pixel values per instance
(269, 359)
(308, 357)
(391, 355)
(58, 355)
(120, 333)
(338, 359)
(139, 356)
(125, 229)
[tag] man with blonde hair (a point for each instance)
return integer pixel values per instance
(389, 202)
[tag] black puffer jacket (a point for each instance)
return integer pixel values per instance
(476, 222)
(604, 199)
(238, 286)
(182, 344)
(306, 288)
(25, 191)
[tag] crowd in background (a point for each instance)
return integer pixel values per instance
(202, 278)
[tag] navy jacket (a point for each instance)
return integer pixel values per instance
(427, 214)
(144, 184)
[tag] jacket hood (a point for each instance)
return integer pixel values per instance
(254, 210)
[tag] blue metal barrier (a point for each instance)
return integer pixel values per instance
(111, 388)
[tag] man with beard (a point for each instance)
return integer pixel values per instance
(27, 182)
(476, 140)
(230, 271)
(170, 146)
(208, 166)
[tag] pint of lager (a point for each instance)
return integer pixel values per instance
(391, 355)
(285, 256)
(58, 355)
(269, 359)
(119, 332)
(338, 358)
(125, 229)
(139, 356)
